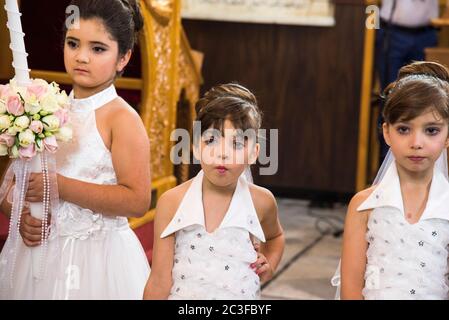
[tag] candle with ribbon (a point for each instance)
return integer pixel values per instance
(32, 114)
(22, 77)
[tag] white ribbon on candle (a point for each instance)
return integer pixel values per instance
(17, 45)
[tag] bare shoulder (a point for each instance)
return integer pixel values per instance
(355, 216)
(120, 111)
(360, 197)
(264, 201)
(169, 201)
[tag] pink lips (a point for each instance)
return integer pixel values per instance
(81, 70)
(221, 169)
(416, 159)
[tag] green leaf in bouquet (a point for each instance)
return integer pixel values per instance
(39, 144)
(36, 117)
(14, 152)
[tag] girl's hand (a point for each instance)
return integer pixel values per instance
(262, 268)
(35, 191)
(30, 229)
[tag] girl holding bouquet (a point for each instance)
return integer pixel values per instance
(103, 174)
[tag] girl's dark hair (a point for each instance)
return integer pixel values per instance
(228, 102)
(122, 19)
(420, 86)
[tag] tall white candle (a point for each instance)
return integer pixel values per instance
(22, 77)
(17, 45)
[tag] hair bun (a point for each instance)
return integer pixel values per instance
(425, 68)
(134, 8)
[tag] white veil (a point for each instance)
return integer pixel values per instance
(248, 175)
(441, 165)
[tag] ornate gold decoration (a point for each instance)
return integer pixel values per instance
(162, 9)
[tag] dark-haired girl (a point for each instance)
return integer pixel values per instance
(103, 174)
(207, 229)
(396, 235)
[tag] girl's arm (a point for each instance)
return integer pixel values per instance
(353, 261)
(131, 195)
(271, 251)
(5, 206)
(160, 281)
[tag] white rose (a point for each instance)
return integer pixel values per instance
(51, 123)
(26, 138)
(2, 107)
(32, 105)
(22, 123)
(3, 150)
(40, 82)
(16, 88)
(63, 99)
(12, 131)
(49, 103)
(5, 122)
(64, 134)
(53, 88)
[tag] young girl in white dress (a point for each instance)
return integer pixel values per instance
(396, 234)
(103, 174)
(206, 229)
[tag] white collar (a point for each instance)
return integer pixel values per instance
(388, 194)
(93, 102)
(241, 212)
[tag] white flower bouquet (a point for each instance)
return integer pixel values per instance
(32, 118)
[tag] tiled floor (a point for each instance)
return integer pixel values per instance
(311, 254)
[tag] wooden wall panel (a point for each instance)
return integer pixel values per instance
(307, 80)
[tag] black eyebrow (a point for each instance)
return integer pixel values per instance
(91, 42)
(99, 43)
(435, 124)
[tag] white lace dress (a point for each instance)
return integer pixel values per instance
(98, 257)
(215, 265)
(407, 261)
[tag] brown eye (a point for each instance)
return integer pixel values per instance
(433, 131)
(209, 140)
(71, 44)
(99, 49)
(239, 144)
(402, 129)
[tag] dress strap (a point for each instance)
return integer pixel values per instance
(93, 102)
